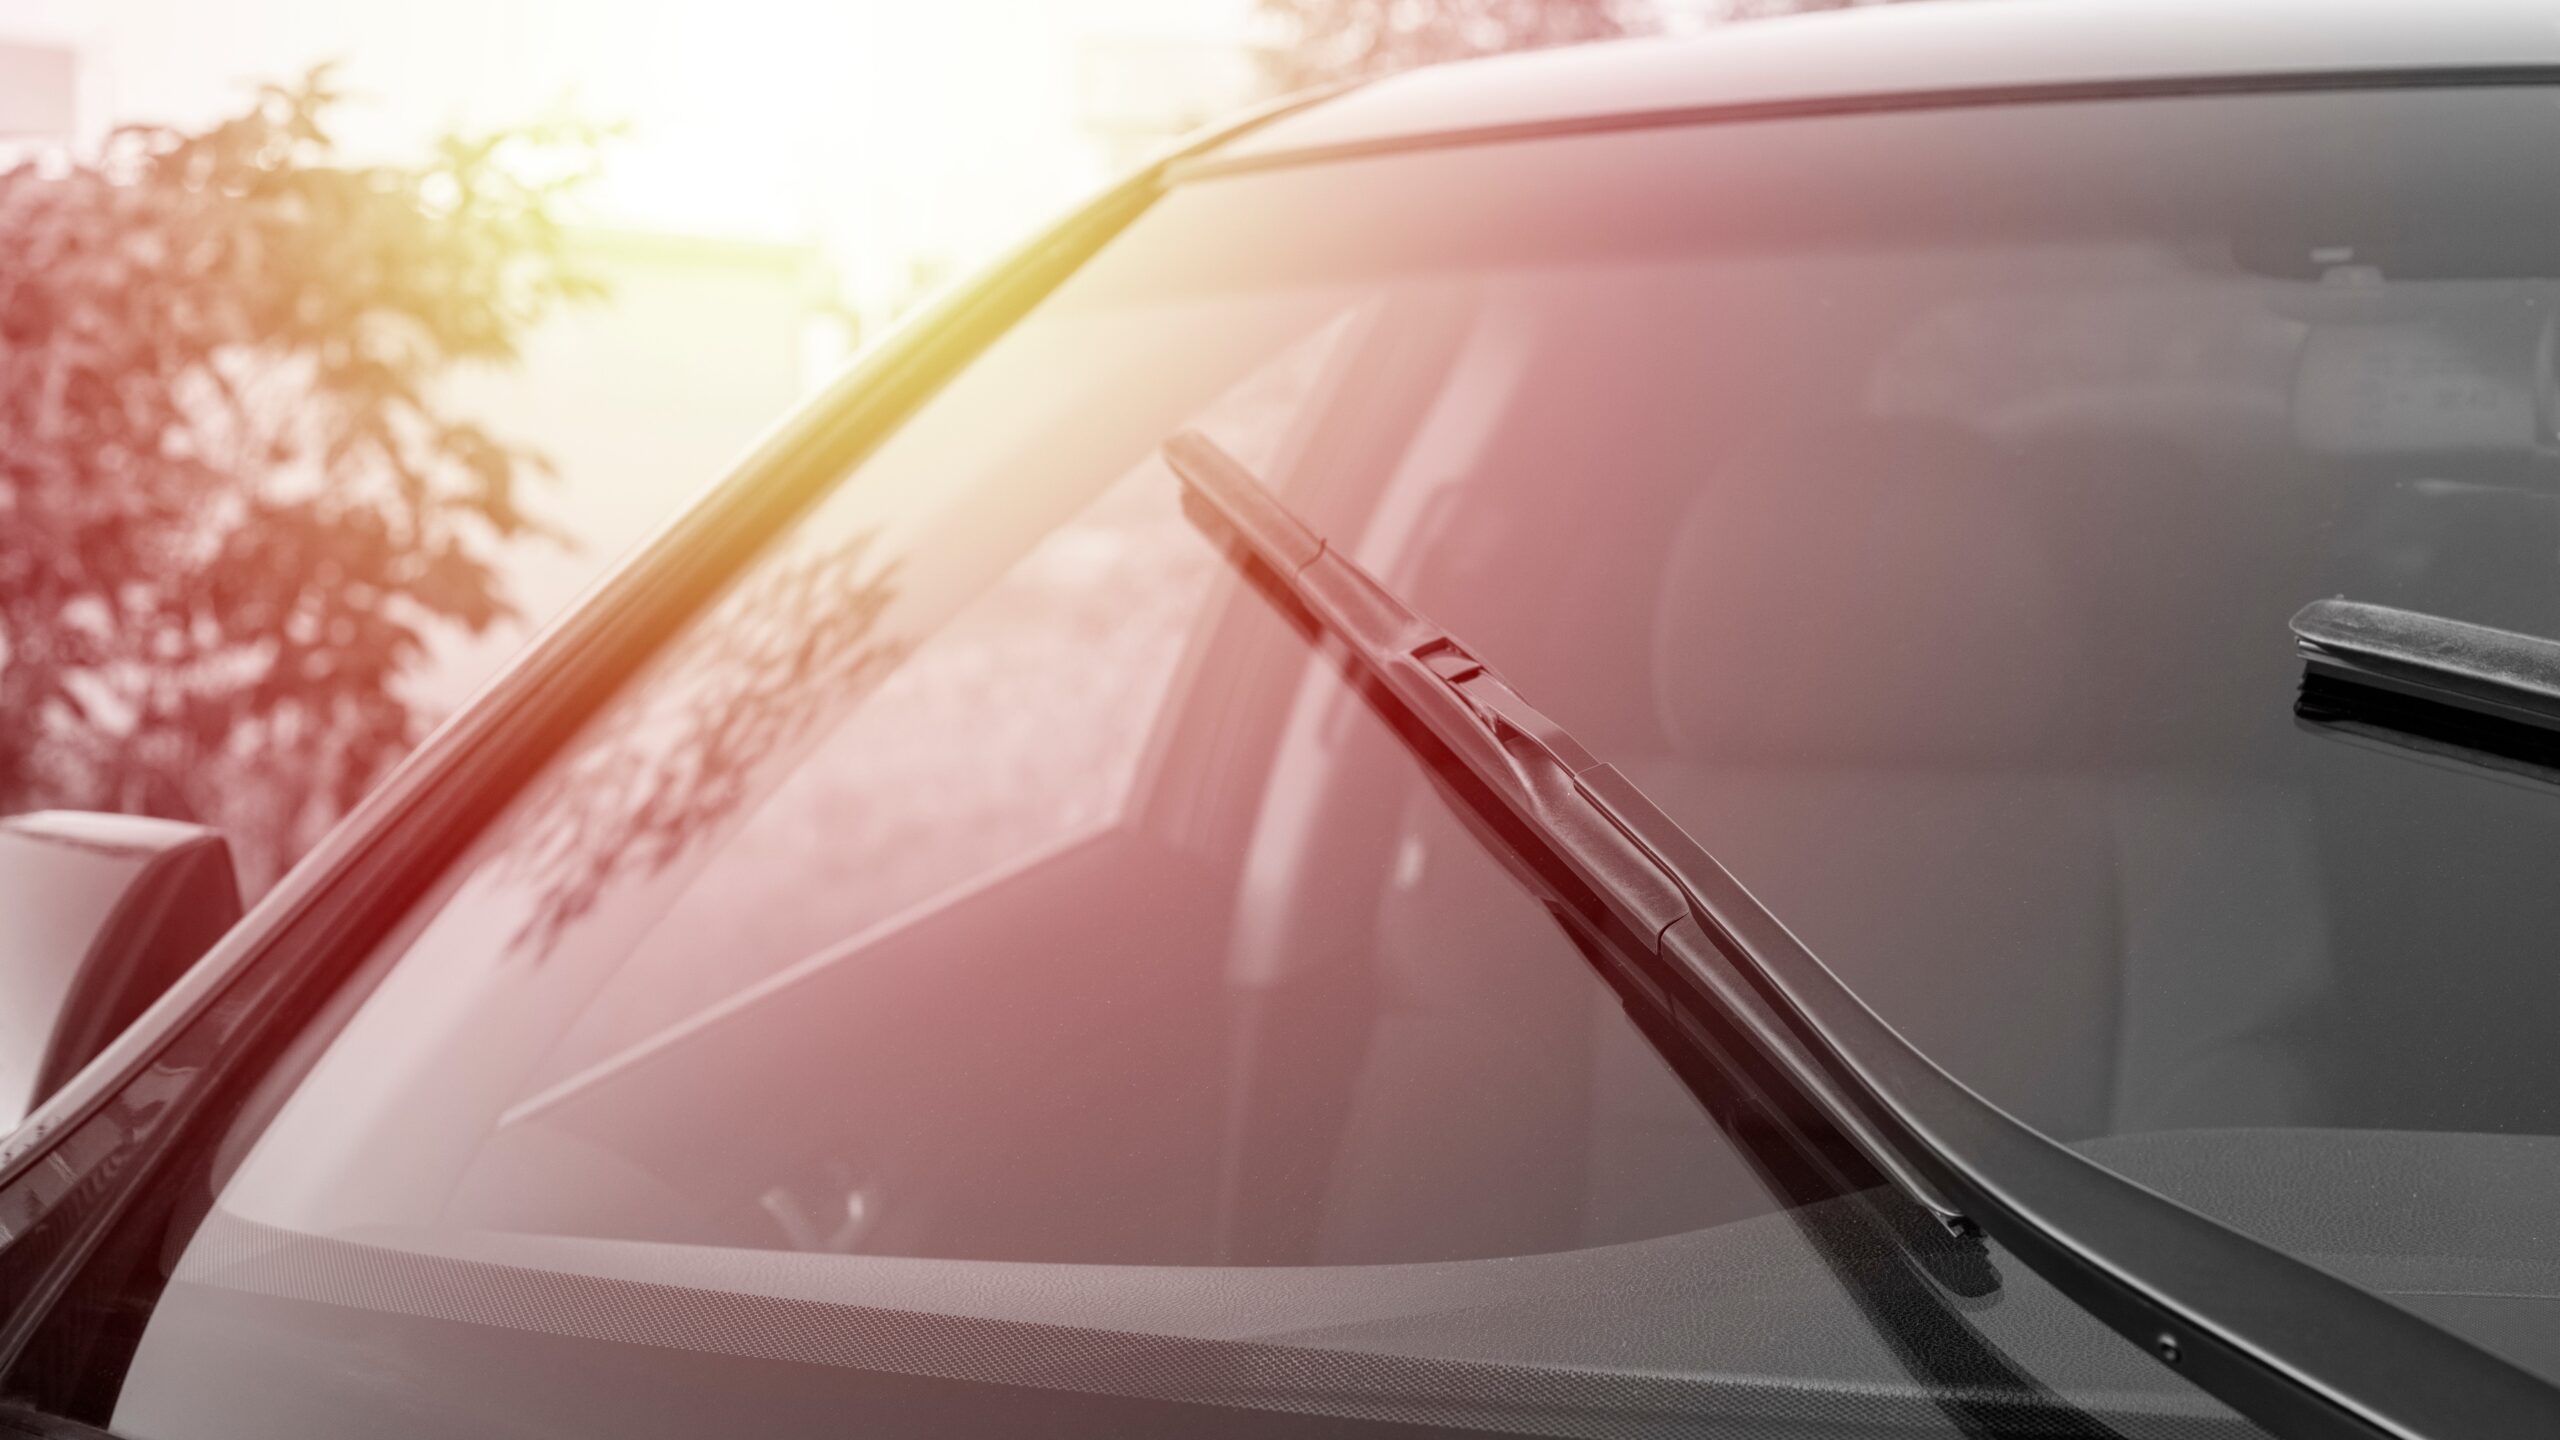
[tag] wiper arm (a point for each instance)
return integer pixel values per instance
(2295, 1349)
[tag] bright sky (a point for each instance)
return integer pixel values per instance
(888, 131)
(920, 125)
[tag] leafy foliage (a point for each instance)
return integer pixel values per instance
(230, 508)
(1762, 9)
(660, 774)
(1314, 42)
(1317, 42)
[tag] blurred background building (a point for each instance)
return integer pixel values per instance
(709, 338)
(39, 93)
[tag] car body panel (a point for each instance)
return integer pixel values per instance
(1906, 54)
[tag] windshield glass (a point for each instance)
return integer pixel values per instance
(993, 970)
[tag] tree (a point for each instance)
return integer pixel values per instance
(231, 511)
(1315, 42)
(1760, 9)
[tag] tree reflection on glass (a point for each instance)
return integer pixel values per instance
(736, 697)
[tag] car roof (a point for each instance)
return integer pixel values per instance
(1897, 55)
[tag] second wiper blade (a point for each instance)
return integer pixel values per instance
(2497, 673)
(2287, 1345)
(2433, 689)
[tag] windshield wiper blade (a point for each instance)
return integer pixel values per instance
(2287, 1345)
(2485, 671)
(2437, 690)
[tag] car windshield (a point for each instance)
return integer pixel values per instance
(995, 972)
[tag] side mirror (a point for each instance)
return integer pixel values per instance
(98, 915)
